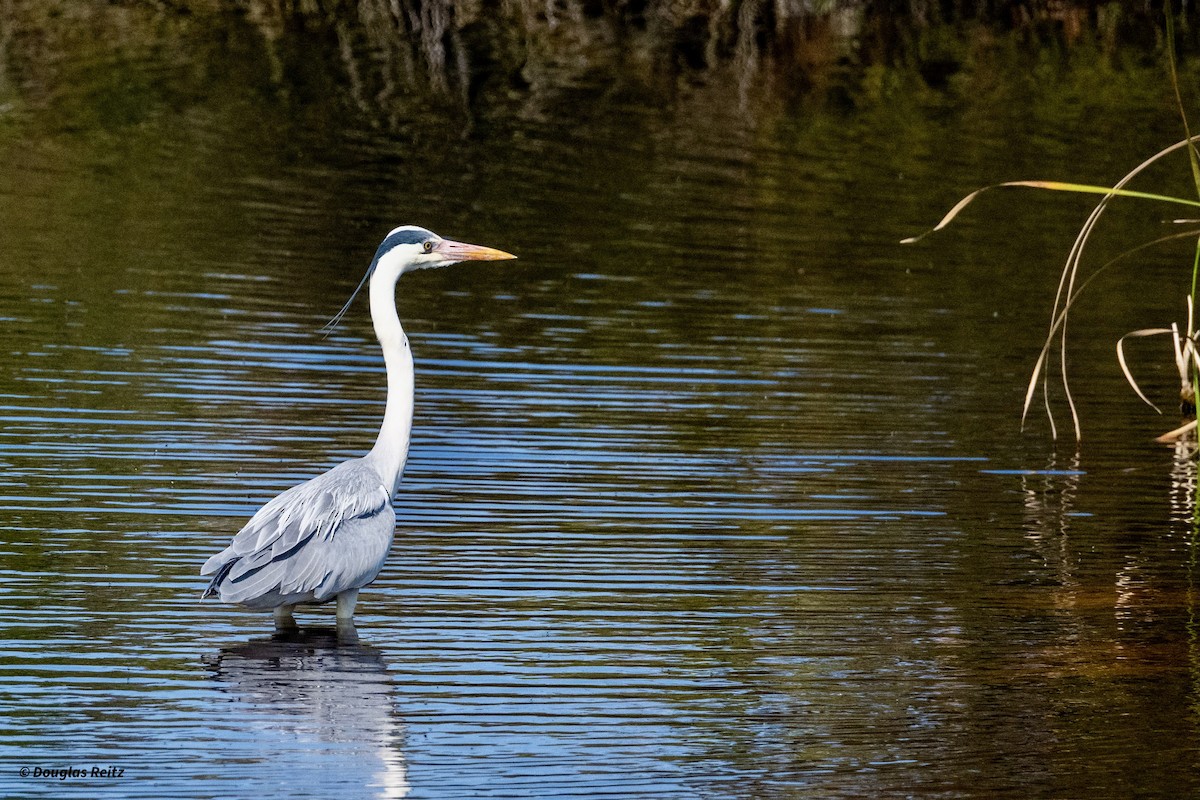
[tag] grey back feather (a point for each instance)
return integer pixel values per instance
(314, 540)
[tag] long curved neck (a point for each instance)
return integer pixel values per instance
(391, 448)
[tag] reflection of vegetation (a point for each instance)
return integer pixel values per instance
(785, 47)
(532, 50)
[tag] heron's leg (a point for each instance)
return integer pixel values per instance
(284, 619)
(346, 632)
(345, 604)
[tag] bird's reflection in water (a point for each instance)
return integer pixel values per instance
(321, 703)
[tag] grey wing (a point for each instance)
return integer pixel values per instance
(309, 543)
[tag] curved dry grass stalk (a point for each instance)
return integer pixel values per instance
(1068, 290)
(1061, 318)
(1173, 436)
(1173, 330)
(1060, 186)
(1068, 278)
(1187, 364)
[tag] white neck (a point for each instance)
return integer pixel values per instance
(391, 448)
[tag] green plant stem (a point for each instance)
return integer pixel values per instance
(1172, 65)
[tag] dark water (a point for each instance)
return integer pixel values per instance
(716, 492)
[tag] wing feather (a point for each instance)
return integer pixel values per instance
(312, 541)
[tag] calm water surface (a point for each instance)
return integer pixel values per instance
(716, 492)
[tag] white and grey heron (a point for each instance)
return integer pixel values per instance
(327, 538)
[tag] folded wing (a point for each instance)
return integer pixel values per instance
(311, 542)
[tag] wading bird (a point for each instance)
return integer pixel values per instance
(328, 537)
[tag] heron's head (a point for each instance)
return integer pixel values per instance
(408, 248)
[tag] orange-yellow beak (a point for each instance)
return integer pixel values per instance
(454, 252)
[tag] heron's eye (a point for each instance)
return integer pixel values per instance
(428, 247)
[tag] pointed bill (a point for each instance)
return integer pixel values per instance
(461, 251)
